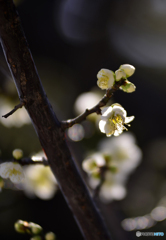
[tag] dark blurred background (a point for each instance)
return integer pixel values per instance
(71, 40)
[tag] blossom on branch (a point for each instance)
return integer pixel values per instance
(106, 78)
(113, 119)
(93, 163)
(39, 181)
(12, 170)
(128, 69)
(109, 168)
(120, 74)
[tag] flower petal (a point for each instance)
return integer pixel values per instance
(118, 132)
(105, 111)
(102, 126)
(109, 128)
(128, 69)
(129, 119)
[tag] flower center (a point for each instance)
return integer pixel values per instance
(118, 122)
(104, 82)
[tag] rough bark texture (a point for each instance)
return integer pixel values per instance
(46, 124)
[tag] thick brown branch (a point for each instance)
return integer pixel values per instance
(46, 124)
(96, 109)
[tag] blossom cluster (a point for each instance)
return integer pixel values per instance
(35, 230)
(35, 180)
(111, 166)
(107, 78)
(114, 118)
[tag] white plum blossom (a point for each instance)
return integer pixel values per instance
(106, 78)
(112, 189)
(12, 170)
(116, 159)
(128, 69)
(113, 185)
(39, 181)
(92, 163)
(120, 74)
(125, 154)
(113, 119)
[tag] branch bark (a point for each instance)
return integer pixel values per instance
(46, 124)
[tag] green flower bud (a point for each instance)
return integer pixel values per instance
(50, 236)
(35, 228)
(20, 226)
(17, 154)
(128, 87)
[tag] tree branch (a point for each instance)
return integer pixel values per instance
(46, 124)
(28, 161)
(96, 109)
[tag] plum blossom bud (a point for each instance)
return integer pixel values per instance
(128, 69)
(113, 119)
(35, 228)
(128, 87)
(106, 78)
(92, 163)
(20, 226)
(50, 236)
(120, 74)
(11, 170)
(17, 154)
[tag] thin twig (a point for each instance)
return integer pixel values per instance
(96, 109)
(15, 109)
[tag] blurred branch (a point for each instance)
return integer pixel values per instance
(46, 124)
(96, 109)
(28, 161)
(102, 178)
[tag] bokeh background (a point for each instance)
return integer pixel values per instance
(70, 42)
